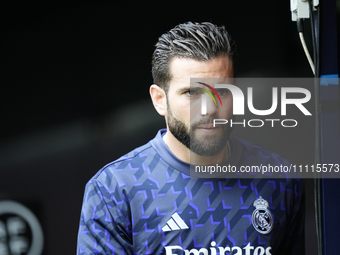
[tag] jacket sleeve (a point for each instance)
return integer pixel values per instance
(296, 227)
(292, 238)
(105, 223)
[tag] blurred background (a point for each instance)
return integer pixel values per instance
(74, 93)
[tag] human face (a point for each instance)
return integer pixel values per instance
(184, 121)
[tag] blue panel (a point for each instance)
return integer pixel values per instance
(330, 130)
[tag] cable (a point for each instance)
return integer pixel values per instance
(302, 39)
(315, 21)
(299, 23)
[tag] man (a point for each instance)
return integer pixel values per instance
(146, 202)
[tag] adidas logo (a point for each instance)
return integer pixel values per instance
(175, 223)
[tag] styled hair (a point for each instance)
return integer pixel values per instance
(197, 41)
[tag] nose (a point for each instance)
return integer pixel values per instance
(209, 105)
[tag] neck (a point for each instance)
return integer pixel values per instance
(184, 154)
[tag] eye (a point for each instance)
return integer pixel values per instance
(192, 92)
(222, 92)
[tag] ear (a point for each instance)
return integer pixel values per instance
(158, 98)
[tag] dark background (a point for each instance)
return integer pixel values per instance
(74, 91)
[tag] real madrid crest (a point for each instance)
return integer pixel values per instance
(262, 218)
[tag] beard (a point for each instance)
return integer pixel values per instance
(209, 146)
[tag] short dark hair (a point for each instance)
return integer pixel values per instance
(198, 41)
